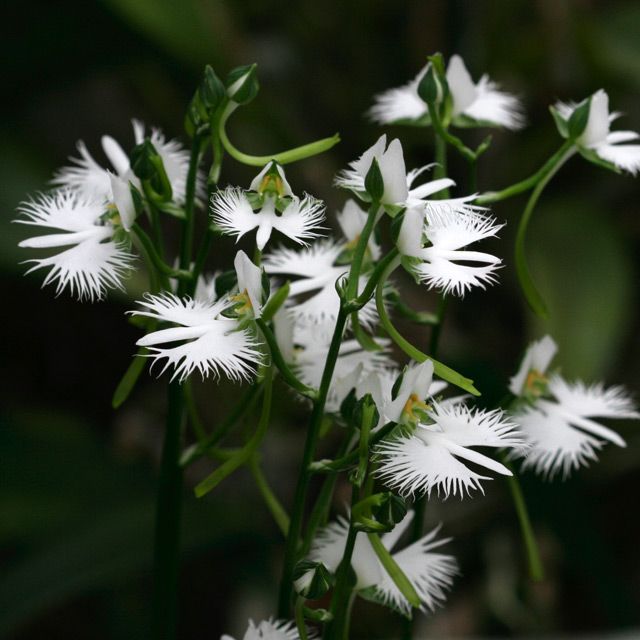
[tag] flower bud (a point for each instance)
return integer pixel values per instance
(312, 579)
(242, 84)
(373, 182)
(212, 91)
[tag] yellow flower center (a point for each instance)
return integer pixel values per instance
(535, 382)
(411, 405)
(244, 301)
(272, 183)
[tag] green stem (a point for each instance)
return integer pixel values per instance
(283, 157)
(276, 355)
(361, 248)
(167, 528)
(302, 486)
(192, 411)
(246, 453)
(200, 449)
(524, 277)
(154, 258)
(536, 570)
(443, 135)
(440, 369)
(300, 623)
(528, 183)
(372, 283)
(273, 504)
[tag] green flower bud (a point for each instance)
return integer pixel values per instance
(242, 84)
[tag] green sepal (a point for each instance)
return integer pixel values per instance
(348, 406)
(396, 385)
(364, 404)
(275, 302)
(561, 123)
(212, 90)
(171, 209)
(578, 120)
(409, 263)
(321, 580)
(391, 511)
(317, 615)
(146, 164)
(373, 182)
(249, 87)
(594, 158)
(429, 88)
(396, 225)
(266, 285)
(392, 210)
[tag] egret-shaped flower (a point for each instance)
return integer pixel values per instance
(269, 204)
(531, 379)
(432, 456)
(249, 296)
(91, 260)
(270, 630)
(430, 573)
(599, 139)
(444, 262)
(473, 104)
(91, 179)
(209, 342)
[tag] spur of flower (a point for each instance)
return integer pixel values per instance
(435, 241)
(432, 455)
(318, 267)
(270, 630)
(472, 104)
(597, 141)
(208, 341)
(557, 417)
(268, 204)
(91, 258)
(90, 179)
(430, 572)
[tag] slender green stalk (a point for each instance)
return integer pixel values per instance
(273, 504)
(372, 283)
(300, 623)
(302, 486)
(283, 157)
(361, 248)
(440, 369)
(167, 528)
(289, 377)
(524, 277)
(536, 570)
(192, 411)
(199, 449)
(527, 183)
(154, 258)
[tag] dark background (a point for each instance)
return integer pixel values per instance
(77, 480)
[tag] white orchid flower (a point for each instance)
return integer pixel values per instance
(352, 220)
(210, 343)
(271, 630)
(561, 431)
(92, 180)
(90, 261)
(475, 104)
(235, 213)
(430, 573)
(597, 136)
(392, 168)
(444, 263)
(432, 457)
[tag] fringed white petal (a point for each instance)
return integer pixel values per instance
(623, 156)
(84, 176)
(410, 466)
(217, 347)
(272, 630)
(232, 212)
(93, 262)
(309, 262)
(495, 106)
(431, 574)
(352, 220)
(554, 445)
(450, 230)
(400, 103)
(301, 220)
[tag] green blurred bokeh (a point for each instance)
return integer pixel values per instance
(77, 480)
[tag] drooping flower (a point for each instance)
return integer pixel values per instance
(598, 138)
(473, 104)
(430, 573)
(270, 630)
(561, 431)
(443, 263)
(209, 342)
(431, 457)
(249, 295)
(92, 180)
(556, 417)
(90, 261)
(273, 207)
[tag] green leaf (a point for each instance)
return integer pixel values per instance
(129, 379)
(561, 124)
(275, 302)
